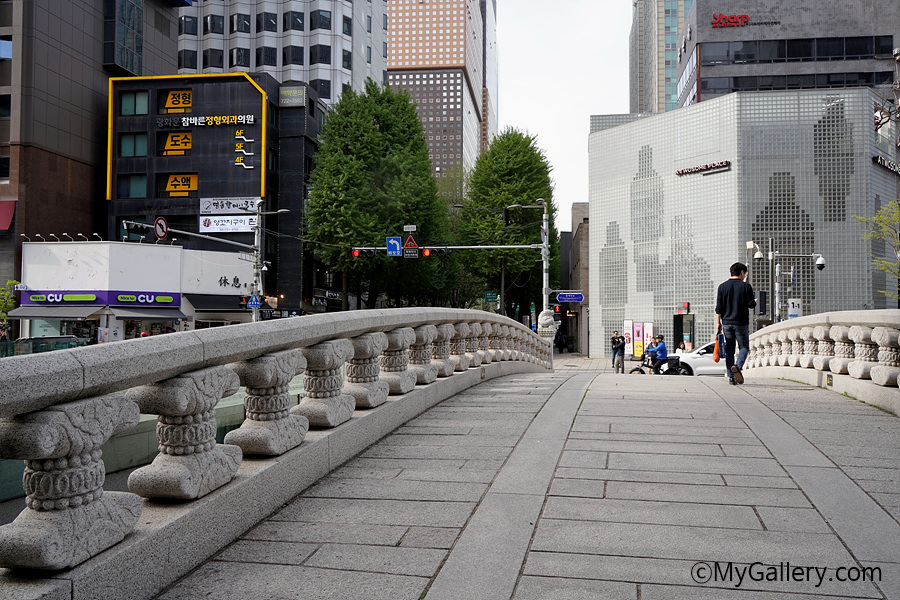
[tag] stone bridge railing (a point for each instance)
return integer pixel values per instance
(365, 373)
(852, 352)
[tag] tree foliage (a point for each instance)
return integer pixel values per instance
(372, 177)
(885, 227)
(8, 298)
(512, 173)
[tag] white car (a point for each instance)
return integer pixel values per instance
(700, 361)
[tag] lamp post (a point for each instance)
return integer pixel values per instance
(259, 264)
(545, 248)
(773, 255)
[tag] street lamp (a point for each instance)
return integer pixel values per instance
(774, 286)
(259, 265)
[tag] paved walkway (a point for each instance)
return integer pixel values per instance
(584, 484)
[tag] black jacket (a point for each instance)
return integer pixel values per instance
(733, 301)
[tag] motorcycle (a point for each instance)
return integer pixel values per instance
(672, 366)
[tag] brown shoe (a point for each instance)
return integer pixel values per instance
(738, 376)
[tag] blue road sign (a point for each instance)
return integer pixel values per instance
(394, 246)
(569, 297)
(253, 302)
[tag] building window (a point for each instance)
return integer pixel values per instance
(384, 49)
(213, 24)
(213, 58)
(132, 186)
(187, 26)
(292, 55)
(123, 35)
(802, 50)
(134, 103)
(347, 26)
(266, 56)
(320, 55)
(293, 21)
(884, 45)
(132, 144)
(320, 19)
(4, 167)
(369, 54)
(860, 47)
(384, 22)
(369, 23)
(187, 59)
(266, 22)
(240, 23)
(772, 51)
(830, 49)
(323, 87)
(347, 59)
(240, 57)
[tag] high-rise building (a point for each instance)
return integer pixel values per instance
(55, 62)
(653, 54)
(754, 45)
(333, 45)
(444, 54)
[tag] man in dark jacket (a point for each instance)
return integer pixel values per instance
(734, 299)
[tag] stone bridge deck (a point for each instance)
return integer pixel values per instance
(583, 484)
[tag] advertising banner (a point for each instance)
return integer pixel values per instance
(638, 339)
(629, 337)
(227, 224)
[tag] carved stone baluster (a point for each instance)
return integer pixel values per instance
(809, 347)
(269, 429)
(363, 371)
(796, 347)
(865, 352)
(887, 371)
(825, 348)
(784, 348)
(843, 349)
(517, 344)
(190, 464)
(395, 361)
(458, 347)
(766, 348)
(756, 352)
(505, 342)
(323, 403)
(472, 345)
(420, 354)
(68, 517)
(440, 350)
(495, 342)
(484, 341)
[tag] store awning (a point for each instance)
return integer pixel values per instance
(66, 313)
(7, 210)
(163, 314)
(214, 302)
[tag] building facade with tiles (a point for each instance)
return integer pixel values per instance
(675, 197)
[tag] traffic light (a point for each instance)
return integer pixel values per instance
(760, 308)
(434, 251)
(556, 309)
(363, 252)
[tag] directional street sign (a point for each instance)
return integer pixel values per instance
(410, 246)
(394, 246)
(253, 302)
(569, 297)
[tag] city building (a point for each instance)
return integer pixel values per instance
(677, 197)
(226, 156)
(748, 45)
(333, 45)
(579, 276)
(653, 51)
(444, 54)
(55, 61)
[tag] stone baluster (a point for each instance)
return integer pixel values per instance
(190, 464)
(458, 347)
(420, 354)
(269, 429)
(809, 347)
(865, 352)
(751, 355)
(766, 349)
(440, 350)
(324, 403)
(484, 341)
(518, 338)
(472, 345)
(758, 351)
(843, 349)
(796, 347)
(825, 348)
(495, 342)
(68, 517)
(506, 342)
(775, 342)
(363, 371)
(784, 348)
(395, 361)
(887, 371)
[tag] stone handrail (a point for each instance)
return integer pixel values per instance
(854, 352)
(58, 408)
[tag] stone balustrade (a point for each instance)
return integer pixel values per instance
(58, 408)
(853, 352)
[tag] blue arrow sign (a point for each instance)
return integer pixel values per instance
(394, 247)
(569, 297)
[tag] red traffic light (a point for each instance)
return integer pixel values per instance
(355, 253)
(362, 252)
(426, 252)
(556, 308)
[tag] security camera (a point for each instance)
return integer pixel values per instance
(820, 263)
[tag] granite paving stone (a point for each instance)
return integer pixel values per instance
(649, 447)
(776, 518)
(695, 464)
(625, 475)
(580, 458)
(395, 489)
(320, 533)
(276, 553)
(641, 511)
(379, 512)
(430, 537)
(378, 559)
(706, 494)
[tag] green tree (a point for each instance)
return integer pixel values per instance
(372, 177)
(512, 172)
(885, 227)
(8, 300)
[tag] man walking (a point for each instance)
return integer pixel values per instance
(613, 341)
(733, 301)
(619, 355)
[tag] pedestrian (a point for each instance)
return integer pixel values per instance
(619, 355)
(560, 341)
(734, 299)
(680, 349)
(612, 342)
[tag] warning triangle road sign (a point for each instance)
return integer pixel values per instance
(410, 242)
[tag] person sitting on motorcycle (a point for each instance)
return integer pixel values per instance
(661, 354)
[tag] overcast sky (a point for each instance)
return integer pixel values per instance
(559, 63)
